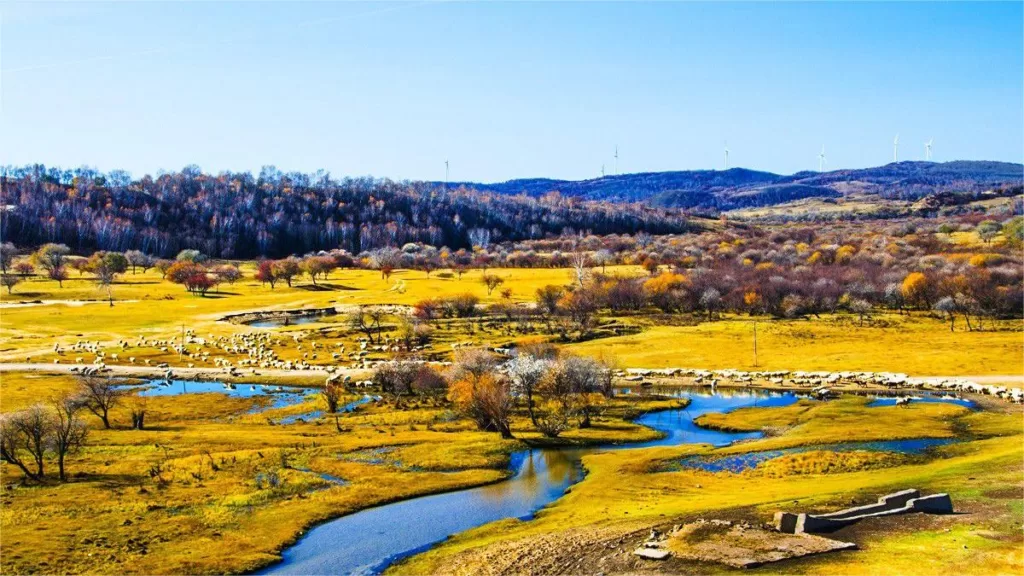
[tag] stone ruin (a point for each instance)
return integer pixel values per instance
(897, 503)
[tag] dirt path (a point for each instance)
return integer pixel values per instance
(204, 373)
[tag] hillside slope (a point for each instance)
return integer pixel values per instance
(739, 187)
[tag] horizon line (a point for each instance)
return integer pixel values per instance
(8, 167)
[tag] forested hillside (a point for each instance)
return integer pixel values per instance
(739, 187)
(238, 215)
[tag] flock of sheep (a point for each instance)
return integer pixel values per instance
(258, 351)
(824, 382)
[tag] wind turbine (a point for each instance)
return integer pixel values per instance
(602, 170)
(928, 149)
(821, 159)
(445, 173)
(616, 159)
(896, 149)
(726, 155)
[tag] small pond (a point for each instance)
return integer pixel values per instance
(282, 395)
(288, 321)
(737, 463)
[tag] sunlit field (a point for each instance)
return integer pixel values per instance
(243, 477)
(40, 314)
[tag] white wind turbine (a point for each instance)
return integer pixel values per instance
(726, 155)
(821, 159)
(928, 149)
(896, 149)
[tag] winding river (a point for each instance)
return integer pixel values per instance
(366, 542)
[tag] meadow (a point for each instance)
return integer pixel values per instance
(144, 305)
(219, 484)
(625, 495)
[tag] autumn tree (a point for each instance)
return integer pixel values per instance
(194, 277)
(287, 269)
(139, 259)
(163, 266)
(602, 258)
(332, 393)
(667, 291)
(491, 281)
(988, 230)
(106, 266)
(315, 266)
(398, 378)
(580, 385)
(710, 300)
(227, 273)
(191, 255)
(367, 319)
(485, 398)
(265, 273)
(52, 258)
(918, 290)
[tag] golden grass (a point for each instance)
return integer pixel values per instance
(628, 488)
(193, 493)
(810, 422)
(915, 345)
(22, 389)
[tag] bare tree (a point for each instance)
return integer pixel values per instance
(526, 372)
(861, 308)
(367, 320)
(100, 395)
(25, 439)
(9, 281)
(68, 430)
(7, 254)
(138, 410)
(580, 263)
(139, 259)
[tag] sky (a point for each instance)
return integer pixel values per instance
(506, 90)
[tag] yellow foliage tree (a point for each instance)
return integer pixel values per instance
(917, 289)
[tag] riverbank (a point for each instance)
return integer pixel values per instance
(626, 494)
(211, 487)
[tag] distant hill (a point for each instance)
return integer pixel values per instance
(740, 188)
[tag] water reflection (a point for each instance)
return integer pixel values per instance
(739, 462)
(287, 321)
(282, 395)
(370, 540)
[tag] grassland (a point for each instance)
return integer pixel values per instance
(914, 344)
(891, 343)
(212, 486)
(626, 494)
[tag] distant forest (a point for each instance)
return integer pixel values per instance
(239, 215)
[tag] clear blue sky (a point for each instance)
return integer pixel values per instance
(507, 90)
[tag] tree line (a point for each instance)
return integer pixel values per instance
(239, 215)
